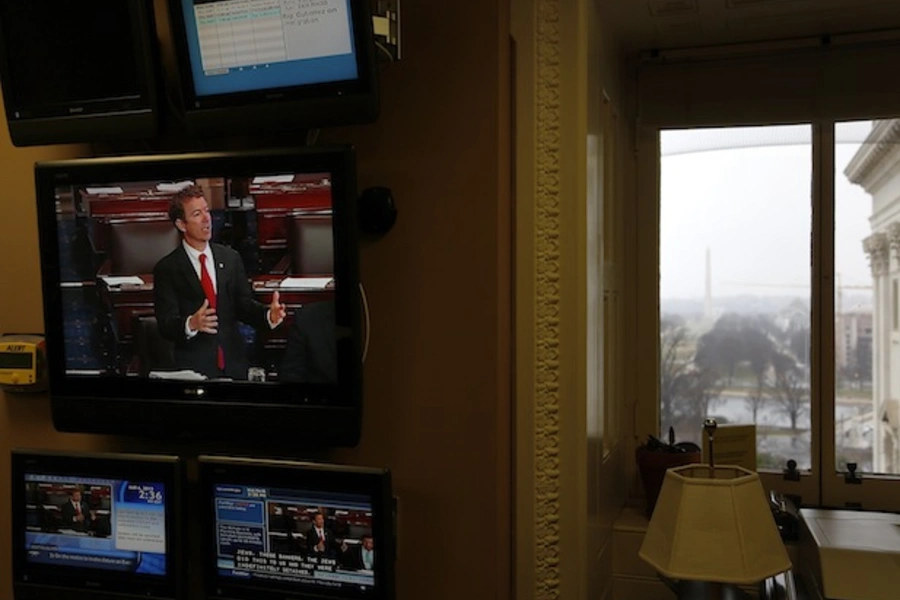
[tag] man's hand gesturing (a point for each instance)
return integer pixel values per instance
(204, 319)
(277, 311)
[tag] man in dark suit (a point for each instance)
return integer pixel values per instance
(201, 291)
(360, 557)
(320, 540)
(311, 353)
(75, 513)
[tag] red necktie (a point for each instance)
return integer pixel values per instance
(77, 509)
(207, 284)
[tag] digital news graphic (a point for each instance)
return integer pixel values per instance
(315, 539)
(96, 523)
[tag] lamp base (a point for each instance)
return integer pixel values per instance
(706, 590)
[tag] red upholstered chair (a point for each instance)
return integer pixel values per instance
(135, 246)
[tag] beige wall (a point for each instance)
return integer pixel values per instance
(24, 419)
(438, 374)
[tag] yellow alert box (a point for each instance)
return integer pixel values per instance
(23, 364)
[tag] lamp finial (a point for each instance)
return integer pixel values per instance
(709, 426)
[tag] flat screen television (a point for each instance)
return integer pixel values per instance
(272, 65)
(76, 74)
(137, 345)
(96, 525)
(305, 531)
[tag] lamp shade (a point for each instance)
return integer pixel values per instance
(714, 525)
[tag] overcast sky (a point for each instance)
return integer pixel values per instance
(744, 193)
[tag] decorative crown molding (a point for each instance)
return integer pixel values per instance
(883, 138)
(547, 301)
(878, 246)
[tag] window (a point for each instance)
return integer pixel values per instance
(779, 300)
(735, 285)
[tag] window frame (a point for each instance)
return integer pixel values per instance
(823, 485)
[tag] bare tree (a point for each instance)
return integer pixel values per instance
(673, 367)
(741, 339)
(758, 350)
(754, 401)
(789, 391)
(702, 389)
(722, 347)
(686, 388)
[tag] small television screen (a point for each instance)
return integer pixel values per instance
(276, 63)
(95, 524)
(205, 294)
(282, 529)
(72, 74)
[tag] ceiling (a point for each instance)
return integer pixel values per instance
(663, 24)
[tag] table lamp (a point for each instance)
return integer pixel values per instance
(712, 529)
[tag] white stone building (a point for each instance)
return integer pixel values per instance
(876, 167)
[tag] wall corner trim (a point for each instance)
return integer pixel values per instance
(547, 302)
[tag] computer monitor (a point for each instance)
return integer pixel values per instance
(96, 525)
(75, 72)
(273, 65)
(305, 531)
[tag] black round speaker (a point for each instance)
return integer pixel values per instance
(376, 210)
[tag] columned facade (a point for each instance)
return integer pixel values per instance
(876, 167)
(876, 246)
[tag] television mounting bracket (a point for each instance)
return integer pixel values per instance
(386, 25)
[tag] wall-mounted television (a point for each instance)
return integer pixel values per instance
(99, 526)
(138, 342)
(76, 74)
(305, 531)
(273, 65)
